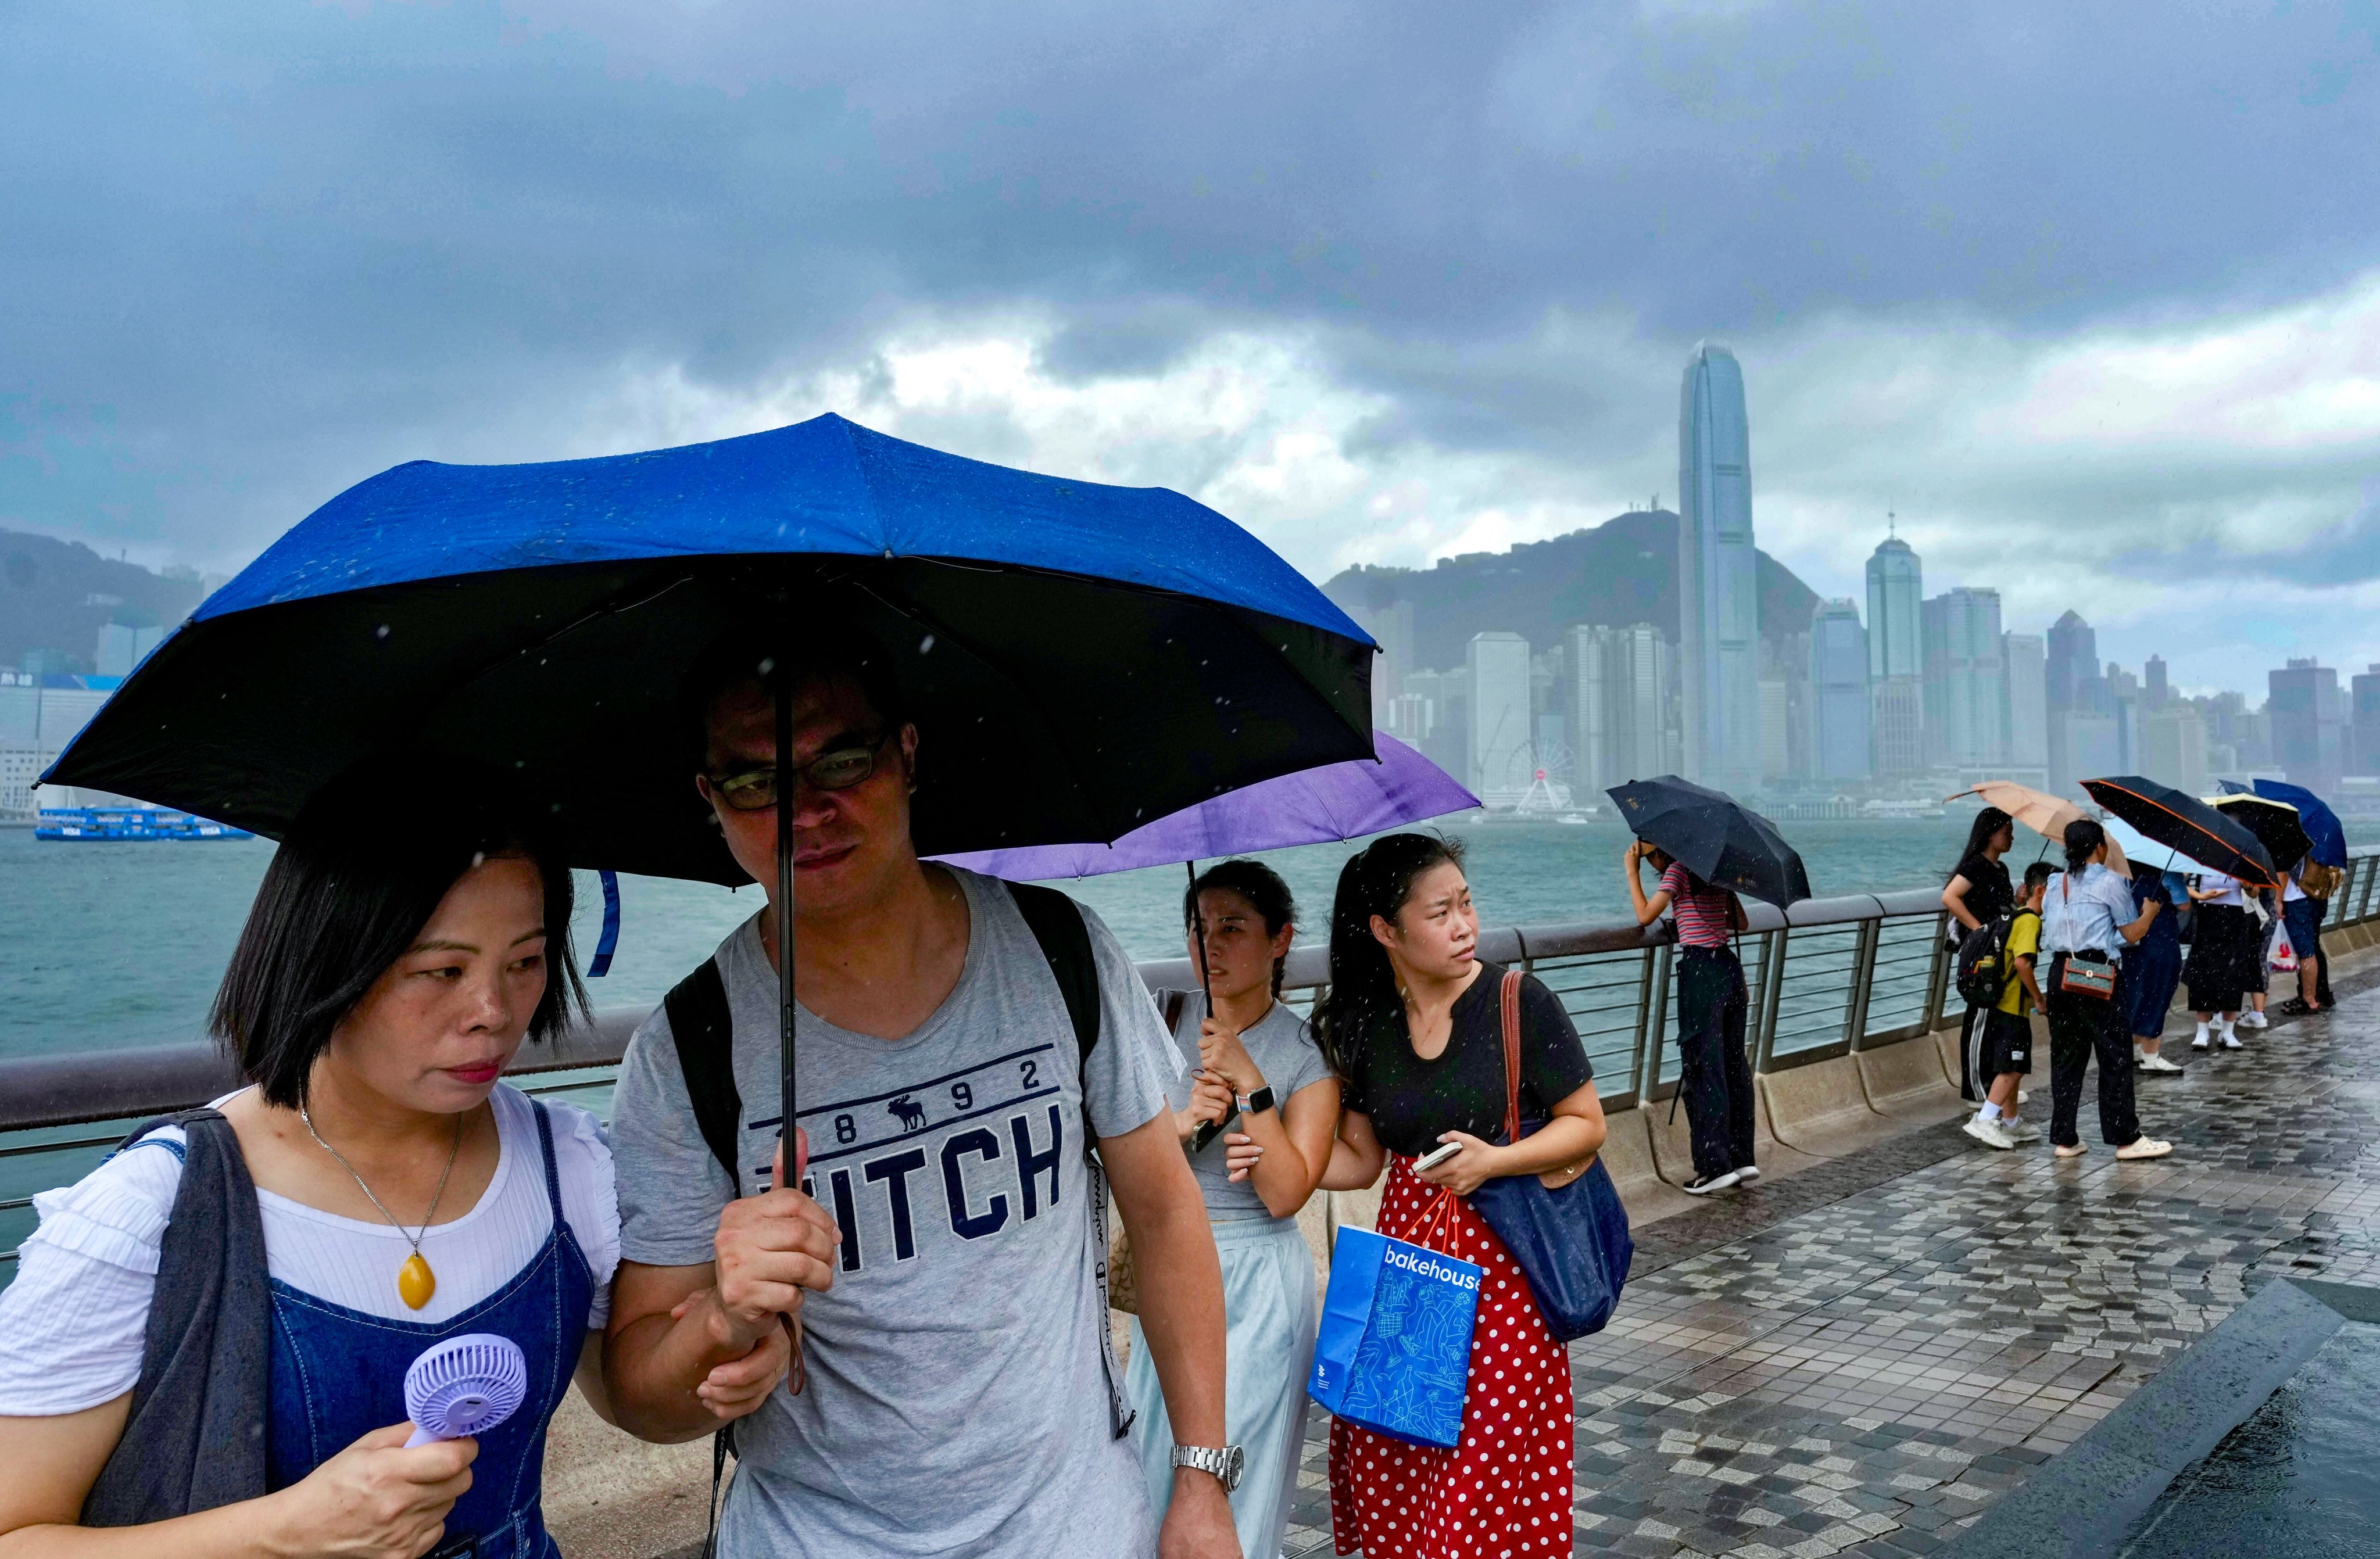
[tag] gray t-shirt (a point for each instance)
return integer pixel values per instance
(957, 1403)
(1282, 1049)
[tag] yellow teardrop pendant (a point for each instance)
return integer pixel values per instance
(416, 1282)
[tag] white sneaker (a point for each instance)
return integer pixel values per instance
(1710, 1183)
(2231, 1041)
(2159, 1064)
(2252, 1019)
(2200, 1041)
(1989, 1132)
(2022, 1097)
(1748, 1173)
(2019, 1133)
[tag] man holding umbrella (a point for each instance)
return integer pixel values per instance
(935, 1246)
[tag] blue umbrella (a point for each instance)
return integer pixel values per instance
(1080, 658)
(2314, 814)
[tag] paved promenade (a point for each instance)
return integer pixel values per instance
(1859, 1359)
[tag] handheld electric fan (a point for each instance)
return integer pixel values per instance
(464, 1385)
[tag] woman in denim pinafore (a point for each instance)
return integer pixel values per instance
(337, 1375)
(208, 1336)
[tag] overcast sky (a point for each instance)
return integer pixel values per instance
(2088, 294)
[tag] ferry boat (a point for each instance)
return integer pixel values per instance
(124, 824)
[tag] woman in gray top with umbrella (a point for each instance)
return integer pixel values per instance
(2087, 921)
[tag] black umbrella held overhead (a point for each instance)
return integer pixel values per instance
(2275, 823)
(2182, 821)
(1080, 659)
(1714, 836)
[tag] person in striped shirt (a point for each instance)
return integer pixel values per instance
(1717, 1074)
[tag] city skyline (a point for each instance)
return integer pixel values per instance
(1290, 314)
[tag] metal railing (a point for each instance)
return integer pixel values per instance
(1832, 977)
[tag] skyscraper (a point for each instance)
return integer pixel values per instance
(1499, 744)
(1839, 671)
(1621, 703)
(2308, 721)
(2028, 713)
(1896, 585)
(1718, 581)
(1966, 693)
(2363, 728)
(1896, 656)
(2073, 673)
(2085, 742)
(2157, 692)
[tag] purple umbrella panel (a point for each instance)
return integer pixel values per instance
(1338, 801)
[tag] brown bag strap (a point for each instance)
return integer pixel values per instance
(1511, 1003)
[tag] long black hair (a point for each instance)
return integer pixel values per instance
(2082, 836)
(1375, 881)
(1261, 887)
(1988, 821)
(362, 870)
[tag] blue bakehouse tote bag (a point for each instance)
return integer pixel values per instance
(1566, 1230)
(1392, 1352)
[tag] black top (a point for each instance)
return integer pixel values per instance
(1988, 893)
(1410, 1101)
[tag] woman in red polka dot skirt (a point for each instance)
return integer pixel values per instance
(1412, 1020)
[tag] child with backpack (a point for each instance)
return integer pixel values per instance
(2005, 1051)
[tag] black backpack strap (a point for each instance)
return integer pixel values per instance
(703, 1029)
(1057, 924)
(1174, 1002)
(704, 1032)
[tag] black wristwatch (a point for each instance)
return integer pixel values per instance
(1257, 1102)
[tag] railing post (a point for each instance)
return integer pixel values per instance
(1864, 950)
(1772, 992)
(1938, 976)
(1656, 1022)
(1644, 1010)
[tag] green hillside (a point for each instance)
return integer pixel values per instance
(1624, 571)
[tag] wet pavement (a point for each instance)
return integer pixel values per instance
(1861, 1359)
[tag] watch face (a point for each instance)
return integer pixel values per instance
(1234, 1461)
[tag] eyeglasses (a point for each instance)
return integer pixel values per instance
(752, 790)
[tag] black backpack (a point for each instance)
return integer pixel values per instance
(1985, 968)
(703, 1030)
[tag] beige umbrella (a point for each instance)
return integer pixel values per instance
(2046, 815)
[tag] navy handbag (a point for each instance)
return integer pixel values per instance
(1566, 1226)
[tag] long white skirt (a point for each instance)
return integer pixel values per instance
(1269, 1317)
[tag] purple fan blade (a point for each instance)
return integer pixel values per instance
(464, 1385)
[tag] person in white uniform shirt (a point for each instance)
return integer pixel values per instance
(204, 1350)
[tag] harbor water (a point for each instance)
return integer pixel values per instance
(104, 946)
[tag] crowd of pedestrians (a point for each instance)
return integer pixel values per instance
(902, 1305)
(2100, 957)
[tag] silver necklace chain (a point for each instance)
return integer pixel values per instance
(428, 1218)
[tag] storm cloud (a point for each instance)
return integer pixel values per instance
(2089, 296)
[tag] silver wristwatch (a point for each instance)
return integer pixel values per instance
(1225, 1462)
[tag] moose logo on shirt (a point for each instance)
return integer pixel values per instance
(979, 1149)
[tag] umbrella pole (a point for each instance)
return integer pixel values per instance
(1208, 1132)
(784, 700)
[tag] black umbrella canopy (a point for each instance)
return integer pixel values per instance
(1079, 658)
(2181, 820)
(1716, 838)
(2275, 823)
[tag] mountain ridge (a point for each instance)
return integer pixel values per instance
(1623, 571)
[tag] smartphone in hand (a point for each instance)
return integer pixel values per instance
(1437, 1157)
